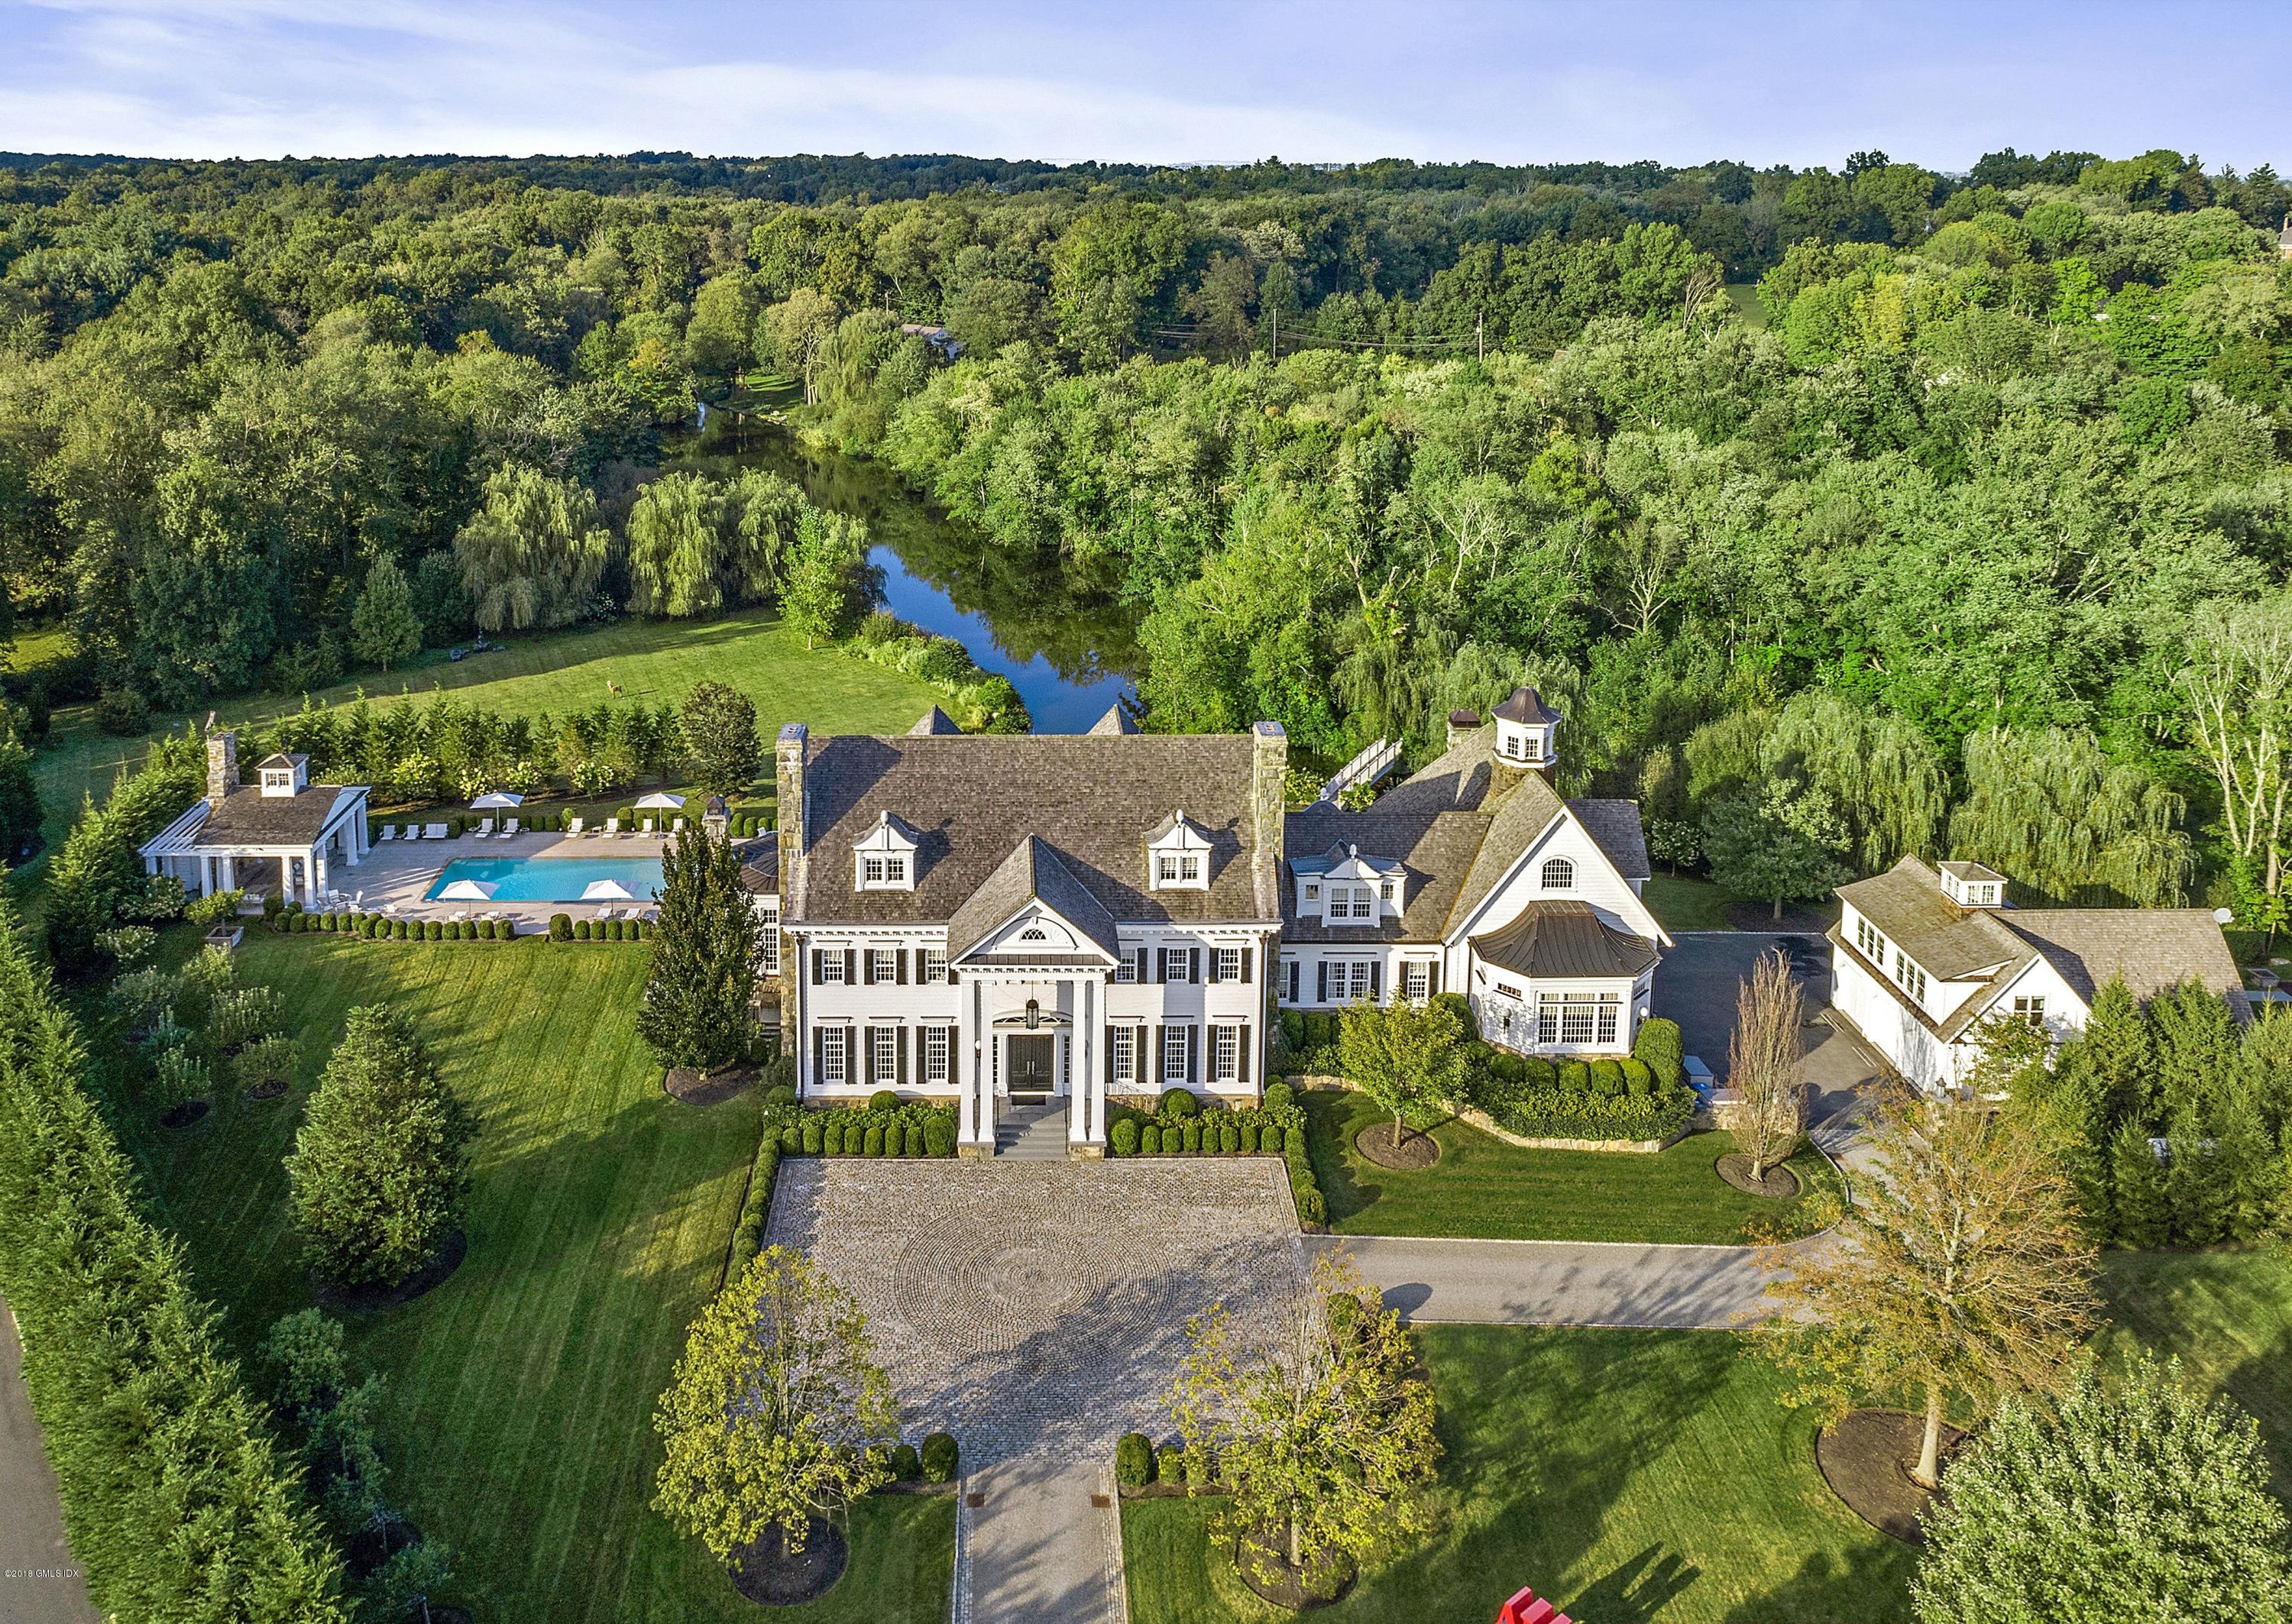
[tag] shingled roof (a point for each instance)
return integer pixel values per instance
(1031, 873)
(935, 721)
(1909, 904)
(1564, 940)
(1093, 799)
(248, 817)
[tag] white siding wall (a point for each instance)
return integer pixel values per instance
(1890, 1029)
(1594, 881)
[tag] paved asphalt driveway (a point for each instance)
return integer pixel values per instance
(39, 1581)
(1695, 986)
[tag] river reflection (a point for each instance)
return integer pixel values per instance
(1060, 635)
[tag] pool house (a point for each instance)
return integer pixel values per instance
(282, 831)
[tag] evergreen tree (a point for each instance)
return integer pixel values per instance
(717, 725)
(707, 951)
(379, 1169)
(2140, 1216)
(2123, 1499)
(383, 627)
(20, 798)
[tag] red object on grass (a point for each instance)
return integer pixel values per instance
(1525, 1609)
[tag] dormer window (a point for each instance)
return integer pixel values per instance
(1178, 855)
(883, 859)
(1973, 885)
(277, 783)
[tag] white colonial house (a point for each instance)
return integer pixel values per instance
(1076, 918)
(281, 830)
(1923, 958)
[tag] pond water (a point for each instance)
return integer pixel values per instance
(1063, 640)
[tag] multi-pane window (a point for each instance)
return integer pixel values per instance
(935, 1054)
(1559, 874)
(1229, 963)
(834, 1054)
(875, 870)
(887, 1055)
(1173, 1054)
(1226, 1053)
(2031, 1009)
(1610, 1011)
(934, 964)
(1352, 902)
(1867, 938)
(1579, 1017)
(1548, 1019)
(1125, 968)
(1122, 1046)
(1384, 891)
(1417, 981)
(883, 964)
(1179, 867)
(1312, 890)
(1909, 976)
(769, 913)
(830, 964)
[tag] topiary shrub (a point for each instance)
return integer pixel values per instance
(911, 1140)
(1134, 1461)
(1150, 1139)
(1607, 1078)
(617, 931)
(780, 1093)
(560, 926)
(637, 929)
(580, 930)
(1536, 1071)
(1170, 1464)
(1639, 1080)
(1660, 1048)
(832, 1135)
(813, 1134)
(906, 1465)
(1228, 1139)
(436, 930)
(1280, 1096)
(791, 1139)
(1179, 1102)
(402, 930)
(940, 1459)
(871, 1141)
(1190, 1137)
(939, 1134)
(1575, 1077)
(1122, 1138)
(883, 1099)
(1249, 1139)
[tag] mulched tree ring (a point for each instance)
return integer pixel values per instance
(1412, 1151)
(1781, 1183)
(335, 1296)
(370, 1547)
(695, 1087)
(1866, 1457)
(1269, 1577)
(183, 1116)
(269, 1088)
(767, 1574)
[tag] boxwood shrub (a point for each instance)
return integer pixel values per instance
(1178, 1103)
(1134, 1461)
(1230, 1139)
(1190, 1137)
(906, 1465)
(939, 1134)
(1607, 1077)
(1122, 1138)
(917, 1145)
(883, 1099)
(1659, 1047)
(940, 1457)
(872, 1139)
(1280, 1096)
(814, 1134)
(1150, 1139)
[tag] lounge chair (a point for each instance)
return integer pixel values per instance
(509, 829)
(612, 829)
(573, 827)
(388, 831)
(433, 831)
(677, 827)
(650, 826)
(485, 829)
(413, 832)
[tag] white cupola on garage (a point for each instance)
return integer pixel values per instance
(1525, 730)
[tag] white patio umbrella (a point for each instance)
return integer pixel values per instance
(661, 800)
(606, 890)
(467, 891)
(494, 800)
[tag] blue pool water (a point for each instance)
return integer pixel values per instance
(551, 879)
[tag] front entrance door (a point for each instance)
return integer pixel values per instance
(1034, 1063)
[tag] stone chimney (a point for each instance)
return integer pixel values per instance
(1460, 723)
(223, 765)
(1269, 765)
(788, 839)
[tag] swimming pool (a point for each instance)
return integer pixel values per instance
(551, 879)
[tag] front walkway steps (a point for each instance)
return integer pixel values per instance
(1035, 1550)
(1035, 1132)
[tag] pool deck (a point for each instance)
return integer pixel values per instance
(397, 872)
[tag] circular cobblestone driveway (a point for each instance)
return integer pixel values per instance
(1028, 1304)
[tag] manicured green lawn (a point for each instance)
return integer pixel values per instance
(1684, 903)
(1642, 1476)
(2227, 1315)
(521, 1391)
(1483, 1186)
(654, 661)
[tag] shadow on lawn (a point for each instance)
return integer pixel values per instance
(1812, 1596)
(1636, 1591)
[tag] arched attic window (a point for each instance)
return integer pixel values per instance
(1559, 874)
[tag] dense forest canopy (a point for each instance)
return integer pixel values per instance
(1755, 469)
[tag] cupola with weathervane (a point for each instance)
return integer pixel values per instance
(1178, 855)
(1526, 728)
(883, 859)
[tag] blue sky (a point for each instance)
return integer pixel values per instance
(1202, 80)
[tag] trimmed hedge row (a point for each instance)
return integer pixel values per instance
(565, 928)
(384, 928)
(1558, 1114)
(747, 823)
(179, 1502)
(903, 1128)
(748, 1230)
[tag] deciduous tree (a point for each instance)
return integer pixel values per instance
(1403, 1055)
(534, 553)
(1769, 1117)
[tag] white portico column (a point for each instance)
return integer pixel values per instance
(1086, 1115)
(975, 1104)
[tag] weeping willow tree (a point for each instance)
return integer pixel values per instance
(697, 547)
(534, 553)
(1878, 769)
(2048, 810)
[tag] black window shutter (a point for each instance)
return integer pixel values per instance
(1153, 1069)
(1193, 1056)
(1138, 957)
(1321, 982)
(1214, 964)
(867, 1047)
(819, 968)
(1193, 964)
(1433, 977)
(851, 965)
(900, 957)
(1247, 954)
(903, 1057)
(819, 1054)
(867, 966)
(1376, 981)
(1108, 1040)
(1161, 964)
